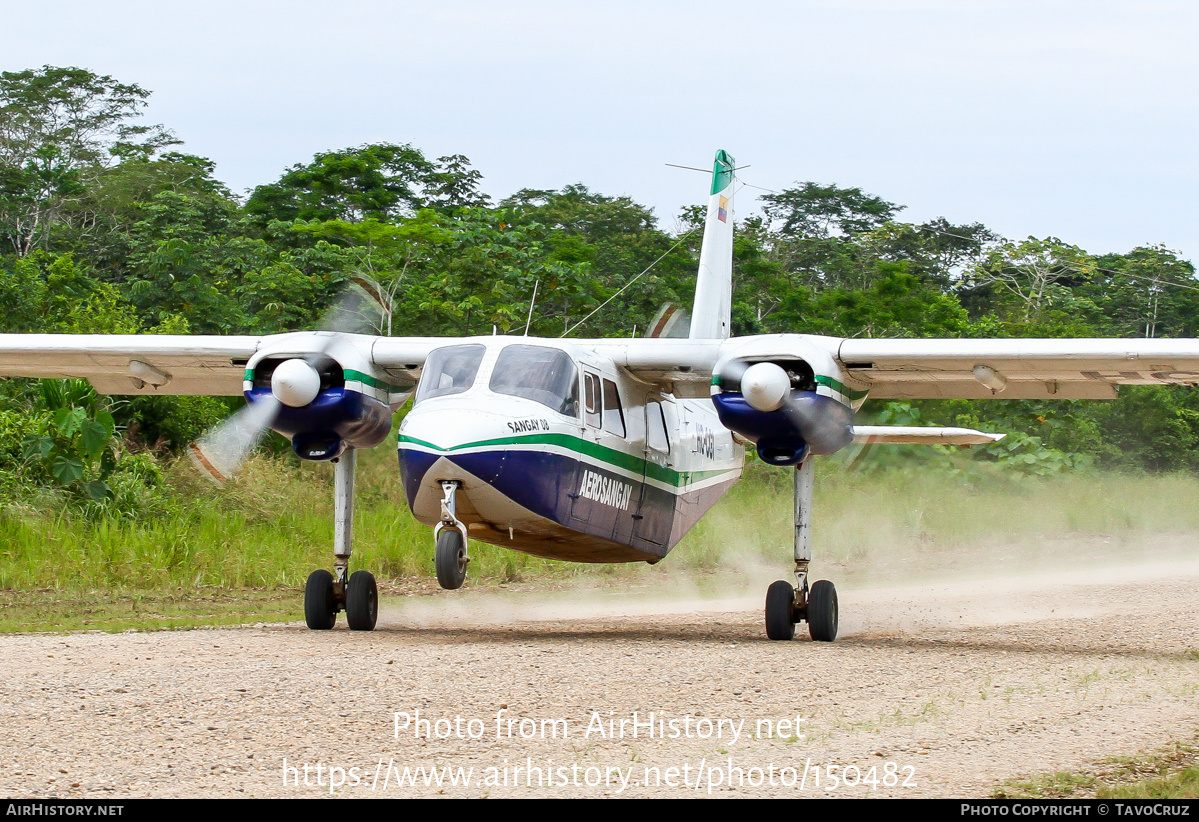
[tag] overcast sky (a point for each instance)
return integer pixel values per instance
(1072, 119)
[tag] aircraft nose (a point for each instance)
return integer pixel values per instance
(434, 433)
(448, 429)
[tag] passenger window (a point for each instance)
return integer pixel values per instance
(613, 415)
(655, 428)
(591, 392)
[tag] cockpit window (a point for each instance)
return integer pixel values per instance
(544, 375)
(450, 370)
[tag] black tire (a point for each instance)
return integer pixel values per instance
(822, 611)
(320, 610)
(780, 610)
(362, 601)
(450, 559)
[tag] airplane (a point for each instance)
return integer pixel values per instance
(587, 450)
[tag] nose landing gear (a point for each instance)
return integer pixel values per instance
(450, 557)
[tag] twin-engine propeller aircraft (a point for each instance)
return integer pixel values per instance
(600, 450)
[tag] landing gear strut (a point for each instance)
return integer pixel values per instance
(787, 605)
(327, 593)
(450, 557)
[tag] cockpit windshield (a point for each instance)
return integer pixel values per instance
(544, 375)
(450, 370)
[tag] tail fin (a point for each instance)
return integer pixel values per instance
(710, 316)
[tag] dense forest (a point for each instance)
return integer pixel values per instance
(107, 226)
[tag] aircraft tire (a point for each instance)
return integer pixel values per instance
(780, 610)
(450, 559)
(320, 610)
(822, 611)
(362, 601)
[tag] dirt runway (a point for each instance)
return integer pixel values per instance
(936, 689)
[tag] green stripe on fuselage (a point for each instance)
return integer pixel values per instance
(628, 462)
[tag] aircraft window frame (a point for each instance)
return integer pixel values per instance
(435, 368)
(540, 373)
(592, 399)
(655, 424)
(613, 411)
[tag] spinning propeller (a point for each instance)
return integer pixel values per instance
(295, 382)
(823, 423)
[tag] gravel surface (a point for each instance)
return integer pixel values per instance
(940, 689)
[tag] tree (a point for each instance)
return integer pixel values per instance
(1148, 292)
(814, 233)
(938, 251)
(814, 210)
(1036, 272)
(58, 128)
(619, 240)
(382, 182)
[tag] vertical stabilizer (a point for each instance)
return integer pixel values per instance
(714, 285)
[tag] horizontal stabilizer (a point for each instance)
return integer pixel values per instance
(918, 435)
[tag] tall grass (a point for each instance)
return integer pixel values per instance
(273, 524)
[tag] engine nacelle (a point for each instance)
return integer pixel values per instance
(317, 411)
(776, 406)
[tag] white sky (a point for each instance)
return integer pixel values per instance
(1072, 119)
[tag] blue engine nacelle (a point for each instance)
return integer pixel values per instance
(336, 417)
(794, 422)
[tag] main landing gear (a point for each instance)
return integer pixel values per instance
(327, 593)
(787, 604)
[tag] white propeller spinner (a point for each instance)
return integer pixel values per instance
(295, 383)
(765, 386)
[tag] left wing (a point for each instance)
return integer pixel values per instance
(924, 368)
(1016, 368)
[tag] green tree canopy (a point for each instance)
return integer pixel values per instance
(58, 128)
(382, 182)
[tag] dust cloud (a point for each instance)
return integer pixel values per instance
(988, 584)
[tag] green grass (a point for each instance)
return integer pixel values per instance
(144, 610)
(1172, 773)
(273, 524)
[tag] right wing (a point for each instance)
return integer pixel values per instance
(133, 363)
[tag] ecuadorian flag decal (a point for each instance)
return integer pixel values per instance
(723, 212)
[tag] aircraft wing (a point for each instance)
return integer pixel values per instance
(682, 366)
(889, 369)
(1015, 368)
(132, 363)
(184, 364)
(927, 368)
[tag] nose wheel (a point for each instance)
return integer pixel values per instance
(449, 555)
(450, 559)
